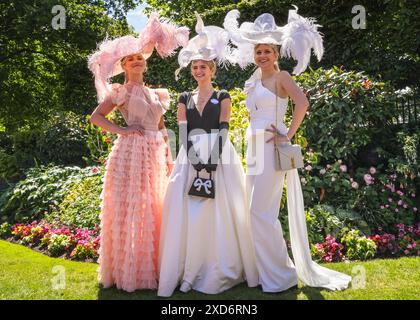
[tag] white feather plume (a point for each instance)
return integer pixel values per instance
(297, 38)
(300, 36)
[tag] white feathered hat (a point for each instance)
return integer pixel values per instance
(296, 39)
(210, 43)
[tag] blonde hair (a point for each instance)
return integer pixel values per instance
(276, 50)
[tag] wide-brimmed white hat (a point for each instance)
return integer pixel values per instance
(296, 39)
(210, 43)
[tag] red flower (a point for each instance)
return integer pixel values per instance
(367, 83)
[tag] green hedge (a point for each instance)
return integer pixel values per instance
(39, 193)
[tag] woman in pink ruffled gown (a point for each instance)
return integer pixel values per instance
(140, 161)
(134, 184)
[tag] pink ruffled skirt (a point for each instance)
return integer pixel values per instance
(131, 209)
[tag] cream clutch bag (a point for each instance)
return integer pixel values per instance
(288, 157)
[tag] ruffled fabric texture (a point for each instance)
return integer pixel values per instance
(132, 198)
(134, 186)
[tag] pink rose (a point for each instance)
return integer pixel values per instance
(372, 170)
(318, 246)
(368, 179)
(354, 185)
(322, 171)
(343, 168)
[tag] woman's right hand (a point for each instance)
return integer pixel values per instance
(277, 137)
(135, 128)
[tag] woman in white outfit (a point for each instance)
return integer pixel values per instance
(205, 243)
(267, 90)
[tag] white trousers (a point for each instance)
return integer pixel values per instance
(264, 188)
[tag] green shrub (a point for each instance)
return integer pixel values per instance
(40, 192)
(8, 166)
(62, 141)
(358, 247)
(347, 111)
(378, 196)
(5, 230)
(238, 122)
(80, 206)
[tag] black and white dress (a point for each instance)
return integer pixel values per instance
(206, 244)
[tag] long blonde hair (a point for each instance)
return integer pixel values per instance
(276, 51)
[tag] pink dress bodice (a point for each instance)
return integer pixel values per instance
(140, 104)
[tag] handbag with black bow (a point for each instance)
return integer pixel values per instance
(202, 187)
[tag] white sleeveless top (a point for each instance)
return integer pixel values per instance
(261, 104)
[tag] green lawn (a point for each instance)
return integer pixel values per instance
(26, 274)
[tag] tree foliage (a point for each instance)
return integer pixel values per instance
(388, 47)
(42, 69)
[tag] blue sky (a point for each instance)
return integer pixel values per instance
(136, 18)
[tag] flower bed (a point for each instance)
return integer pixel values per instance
(353, 246)
(83, 244)
(66, 242)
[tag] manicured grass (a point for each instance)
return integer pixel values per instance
(26, 274)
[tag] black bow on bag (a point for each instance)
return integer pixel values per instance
(202, 187)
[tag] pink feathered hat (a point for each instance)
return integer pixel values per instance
(158, 33)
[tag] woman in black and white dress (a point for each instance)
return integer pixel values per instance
(206, 243)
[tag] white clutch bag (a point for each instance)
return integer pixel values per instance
(287, 157)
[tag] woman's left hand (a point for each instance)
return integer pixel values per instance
(277, 137)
